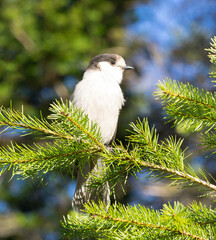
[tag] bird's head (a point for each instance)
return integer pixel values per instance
(111, 65)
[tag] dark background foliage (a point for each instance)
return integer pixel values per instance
(45, 47)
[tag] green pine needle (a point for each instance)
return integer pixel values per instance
(139, 222)
(185, 103)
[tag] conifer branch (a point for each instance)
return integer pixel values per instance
(133, 164)
(212, 56)
(182, 175)
(138, 222)
(185, 103)
(70, 154)
(17, 120)
(75, 140)
(76, 121)
(177, 95)
(209, 142)
(165, 158)
(102, 147)
(173, 231)
(188, 116)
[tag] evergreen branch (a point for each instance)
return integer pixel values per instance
(131, 162)
(70, 154)
(184, 115)
(138, 222)
(76, 139)
(102, 147)
(186, 92)
(207, 223)
(66, 122)
(165, 158)
(209, 141)
(185, 103)
(194, 101)
(17, 120)
(37, 160)
(182, 175)
(212, 56)
(36, 129)
(76, 121)
(119, 220)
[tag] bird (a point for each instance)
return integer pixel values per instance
(100, 96)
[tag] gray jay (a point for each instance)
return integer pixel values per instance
(99, 95)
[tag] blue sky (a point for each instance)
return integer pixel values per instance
(166, 22)
(166, 25)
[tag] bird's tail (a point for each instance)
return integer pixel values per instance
(83, 193)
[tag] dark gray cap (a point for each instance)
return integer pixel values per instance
(111, 58)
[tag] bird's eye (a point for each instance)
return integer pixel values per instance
(112, 61)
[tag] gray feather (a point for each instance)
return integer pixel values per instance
(84, 193)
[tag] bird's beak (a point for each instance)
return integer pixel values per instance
(128, 68)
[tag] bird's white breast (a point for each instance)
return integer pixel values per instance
(101, 97)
